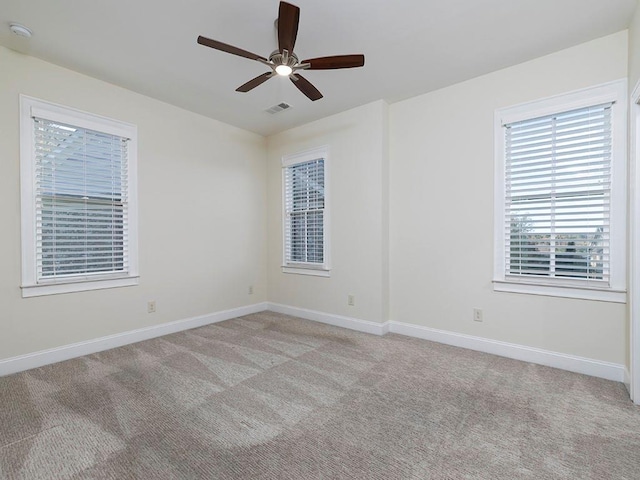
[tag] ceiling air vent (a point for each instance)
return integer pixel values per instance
(278, 108)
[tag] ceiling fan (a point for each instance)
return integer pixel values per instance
(283, 61)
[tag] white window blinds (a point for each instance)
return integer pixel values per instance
(82, 220)
(558, 192)
(305, 212)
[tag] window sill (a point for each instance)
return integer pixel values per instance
(76, 286)
(583, 293)
(313, 271)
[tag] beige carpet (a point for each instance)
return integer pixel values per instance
(268, 396)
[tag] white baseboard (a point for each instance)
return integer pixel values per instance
(572, 363)
(596, 368)
(66, 352)
(587, 366)
(365, 326)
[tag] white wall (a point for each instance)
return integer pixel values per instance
(202, 196)
(634, 50)
(634, 81)
(357, 185)
(441, 217)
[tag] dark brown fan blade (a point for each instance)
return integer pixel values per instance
(253, 83)
(223, 47)
(336, 61)
(288, 18)
(306, 87)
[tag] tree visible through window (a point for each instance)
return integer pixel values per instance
(578, 256)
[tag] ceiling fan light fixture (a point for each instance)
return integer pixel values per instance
(284, 70)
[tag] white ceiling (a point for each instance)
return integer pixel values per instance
(411, 46)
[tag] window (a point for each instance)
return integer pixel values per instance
(305, 213)
(78, 200)
(560, 195)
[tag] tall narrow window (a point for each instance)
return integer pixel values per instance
(561, 201)
(558, 195)
(77, 218)
(305, 226)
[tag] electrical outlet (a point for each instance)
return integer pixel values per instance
(477, 315)
(351, 300)
(151, 306)
(250, 289)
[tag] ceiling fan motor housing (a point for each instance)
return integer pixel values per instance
(285, 58)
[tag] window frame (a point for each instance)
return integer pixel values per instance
(615, 291)
(319, 270)
(32, 107)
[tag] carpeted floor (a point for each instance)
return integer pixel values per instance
(268, 396)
